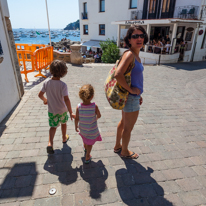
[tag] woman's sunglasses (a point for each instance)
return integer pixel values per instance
(136, 36)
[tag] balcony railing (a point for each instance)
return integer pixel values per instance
(84, 15)
(135, 15)
(187, 12)
(203, 12)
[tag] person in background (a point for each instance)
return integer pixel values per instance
(167, 38)
(168, 45)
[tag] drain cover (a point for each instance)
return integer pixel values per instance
(52, 191)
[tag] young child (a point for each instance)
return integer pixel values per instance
(87, 114)
(58, 102)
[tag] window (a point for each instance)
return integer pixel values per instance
(203, 41)
(102, 6)
(133, 4)
(85, 29)
(165, 6)
(85, 7)
(152, 6)
(102, 29)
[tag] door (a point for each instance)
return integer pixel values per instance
(165, 9)
(152, 9)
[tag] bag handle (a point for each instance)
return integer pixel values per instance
(131, 64)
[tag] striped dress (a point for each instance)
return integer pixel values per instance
(88, 124)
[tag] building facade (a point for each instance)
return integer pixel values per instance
(11, 86)
(182, 20)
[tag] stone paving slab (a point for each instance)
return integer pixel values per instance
(169, 136)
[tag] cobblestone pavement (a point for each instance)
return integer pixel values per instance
(170, 137)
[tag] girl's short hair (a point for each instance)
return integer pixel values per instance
(58, 68)
(131, 30)
(86, 92)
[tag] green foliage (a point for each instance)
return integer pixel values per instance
(110, 51)
(72, 26)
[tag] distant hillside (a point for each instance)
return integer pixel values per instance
(72, 26)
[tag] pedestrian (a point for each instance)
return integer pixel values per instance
(135, 38)
(58, 102)
(87, 114)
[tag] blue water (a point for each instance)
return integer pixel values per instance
(43, 40)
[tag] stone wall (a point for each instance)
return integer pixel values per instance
(64, 56)
(13, 47)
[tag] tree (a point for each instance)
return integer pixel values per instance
(110, 51)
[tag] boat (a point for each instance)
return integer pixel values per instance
(32, 36)
(43, 36)
(17, 39)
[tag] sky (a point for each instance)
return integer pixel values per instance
(32, 13)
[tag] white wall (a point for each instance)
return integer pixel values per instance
(9, 95)
(115, 10)
(188, 3)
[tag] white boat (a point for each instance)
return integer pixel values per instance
(16, 39)
(32, 36)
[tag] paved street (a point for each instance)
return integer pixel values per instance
(169, 136)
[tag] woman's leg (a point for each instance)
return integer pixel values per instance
(119, 134)
(129, 120)
(52, 132)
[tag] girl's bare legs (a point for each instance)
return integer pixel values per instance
(89, 149)
(52, 132)
(64, 130)
(124, 130)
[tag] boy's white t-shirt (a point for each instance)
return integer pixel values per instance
(55, 90)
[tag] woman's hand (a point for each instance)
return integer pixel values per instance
(141, 100)
(135, 90)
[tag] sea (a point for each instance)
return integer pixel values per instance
(73, 35)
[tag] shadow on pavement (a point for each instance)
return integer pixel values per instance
(59, 164)
(137, 187)
(4, 121)
(95, 174)
(189, 66)
(33, 81)
(19, 182)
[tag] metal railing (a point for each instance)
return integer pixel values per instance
(167, 49)
(187, 12)
(84, 15)
(135, 15)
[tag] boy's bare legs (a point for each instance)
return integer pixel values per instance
(64, 131)
(52, 132)
(88, 148)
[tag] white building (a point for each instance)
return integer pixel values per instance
(182, 20)
(11, 87)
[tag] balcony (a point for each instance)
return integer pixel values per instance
(136, 15)
(187, 12)
(84, 15)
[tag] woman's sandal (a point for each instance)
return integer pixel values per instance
(117, 150)
(50, 150)
(88, 161)
(67, 138)
(132, 156)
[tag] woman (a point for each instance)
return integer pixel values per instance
(135, 39)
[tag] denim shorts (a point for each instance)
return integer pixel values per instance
(132, 104)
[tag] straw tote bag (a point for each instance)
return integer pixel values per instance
(115, 93)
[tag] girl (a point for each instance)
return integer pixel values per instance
(58, 102)
(87, 114)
